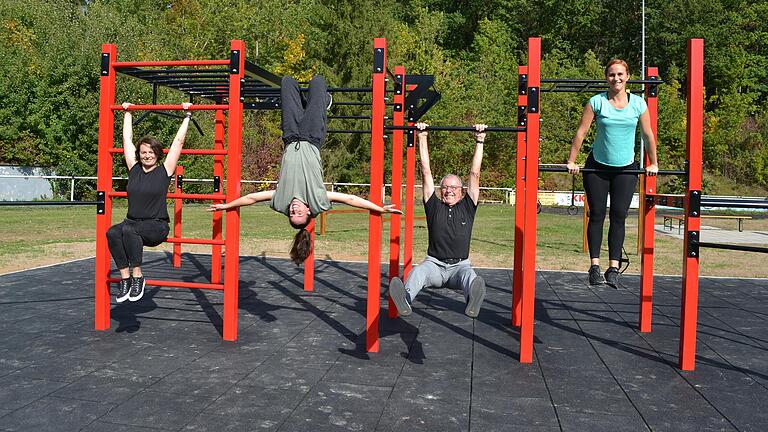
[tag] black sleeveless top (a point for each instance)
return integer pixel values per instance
(146, 193)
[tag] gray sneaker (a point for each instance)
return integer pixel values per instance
(137, 288)
(123, 289)
(595, 275)
(399, 296)
(476, 296)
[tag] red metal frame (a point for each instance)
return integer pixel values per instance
(517, 271)
(217, 217)
(410, 200)
(694, 138)
(398, 119)
(104, 184)
(234, 170)
(378, 107)
(531, 191)
(309, 262)
(178, 204)
(648, 210)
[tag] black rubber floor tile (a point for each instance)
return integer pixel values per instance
(403, 415)
(423, 390)
(100, 426)
(329, 419)
(10, 366)
(105, 386)
(256, 403)
(109, 350)
(217, 423)
(601, 422)
(63, 369)
(284, 377)
(147, 364)
(55, 415)
(514, 413)
(160, 410)
(364, 373)
(16, 392)
(198, 380)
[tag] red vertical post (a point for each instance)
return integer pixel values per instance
(690, 298)
(218, 217)
(410, 199)
(377, 179)
(178, 203)
(104, 184)
(398, 119)
(309, 262)
(648, 207)
(234, 170)
(531, 191)
(517, 270)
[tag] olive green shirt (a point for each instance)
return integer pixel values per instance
(301, 176)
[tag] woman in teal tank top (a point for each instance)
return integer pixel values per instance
(616, 115)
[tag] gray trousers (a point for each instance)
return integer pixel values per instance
(435, 273)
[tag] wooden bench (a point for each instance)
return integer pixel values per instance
(668, 218)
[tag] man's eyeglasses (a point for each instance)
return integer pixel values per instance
(452, 187)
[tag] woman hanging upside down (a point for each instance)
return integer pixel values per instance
(300, 193)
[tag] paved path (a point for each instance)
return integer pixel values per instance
(299, 363)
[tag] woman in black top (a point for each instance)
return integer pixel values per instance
(147, 221)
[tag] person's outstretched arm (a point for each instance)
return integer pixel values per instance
(473, 186)
(427, 182)
(650, 144)
(251, 198)
(175, 151)
(586, 121)
(356, 201)
(129, 150)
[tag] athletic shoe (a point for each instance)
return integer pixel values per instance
(612, 277)
(476, 296)
(595, 275)
(123, 289)
(399, 296)
(137, 288)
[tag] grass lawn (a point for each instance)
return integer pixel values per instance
(33, 236)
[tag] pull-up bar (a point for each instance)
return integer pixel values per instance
(457, 128)
(563, 169)
(169, 107)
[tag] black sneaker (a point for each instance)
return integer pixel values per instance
(137, 288)
(612, 277)
(476, 296)
(123, 289)
(399, 296)
(595, 275)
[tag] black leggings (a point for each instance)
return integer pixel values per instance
(304, 121)
(597, 186)
(127, 239)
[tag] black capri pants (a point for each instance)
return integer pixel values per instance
(127, 239)
(597, 186)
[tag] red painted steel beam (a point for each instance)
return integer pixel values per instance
(217, 217)
(398, 119)
(189, 240)
(234, 171)
(410, 200)
(160, 63)
(309, 262)
(694, 134)
(178, 284)
(103, 185)
(178, 205)
(173, 195)
(373, 302)
(210, 107)
(183, 151)
(517, 269)
(648, 209)
(531, 191)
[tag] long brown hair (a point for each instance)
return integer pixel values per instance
(302, 246)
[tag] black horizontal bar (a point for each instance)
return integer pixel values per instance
(733, 204)
(594, 81)
(132, 70)
(49, 203)
(352, 103)
(458, 128)
(734, 247)
(353, 131)
(563, 169)
(351, 117)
